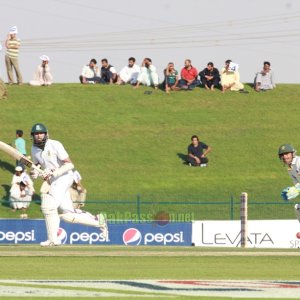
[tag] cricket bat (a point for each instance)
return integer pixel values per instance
(14, 153)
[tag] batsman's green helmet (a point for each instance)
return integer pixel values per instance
(39, 128)
(286, 148)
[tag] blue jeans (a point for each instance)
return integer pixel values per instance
(183, 83)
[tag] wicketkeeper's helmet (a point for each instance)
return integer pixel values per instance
(286, 148)
(39, 128)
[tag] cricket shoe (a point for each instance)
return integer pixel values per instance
(102, 219)
(49, 243)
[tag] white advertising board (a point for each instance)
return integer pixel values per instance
(261, 234)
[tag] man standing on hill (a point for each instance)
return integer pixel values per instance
(287, 154)
(12, 44)
(58, 173)
(197, 152)
(20, 145)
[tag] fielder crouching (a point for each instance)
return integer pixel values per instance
(287, 154)
(58, 176)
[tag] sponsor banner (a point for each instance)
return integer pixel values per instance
(261, 234)
(34, 231)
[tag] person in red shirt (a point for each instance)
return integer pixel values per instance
(189, 76)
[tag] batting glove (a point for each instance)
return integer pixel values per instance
(34, 173)
(289, 193)
(47, 174)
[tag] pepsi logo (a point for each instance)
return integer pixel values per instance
(132, 237)
(62, 235)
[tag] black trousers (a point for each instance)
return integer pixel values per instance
(192, 161)
(209, 83)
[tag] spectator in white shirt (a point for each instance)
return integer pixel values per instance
(129, 73)
(264, 79)
(90, 73)
(148, 75)
(21, 191)
(42, 75)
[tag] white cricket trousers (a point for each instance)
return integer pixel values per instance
(59, 198)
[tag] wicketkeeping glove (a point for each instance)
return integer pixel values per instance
(290, 193)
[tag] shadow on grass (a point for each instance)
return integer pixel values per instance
(7, 166)
(5, 197)
(183, 157)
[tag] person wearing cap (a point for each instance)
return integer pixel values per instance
(287, 154)
(20, 145)
(20, 198)
(12, 45)
(21, 191)
(77, 191)
(21, 175)
(42, 75)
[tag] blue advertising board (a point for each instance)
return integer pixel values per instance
(14, 231)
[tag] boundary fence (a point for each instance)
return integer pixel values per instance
(143, 209)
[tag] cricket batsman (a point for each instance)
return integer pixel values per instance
(58, 176)
(287, 154)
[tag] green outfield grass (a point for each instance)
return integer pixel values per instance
(126, 143)
(142, 263)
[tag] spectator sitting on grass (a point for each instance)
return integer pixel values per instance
(42, 75)
(197, 152)
(230, 77)
(264, 79)
(90, 73)
(210, 77)
(189, 76)
(108, 73)
(171, 78)
(129, 73)
(148, 75)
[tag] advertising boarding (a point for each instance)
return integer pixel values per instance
(261, 234)
(132, 234)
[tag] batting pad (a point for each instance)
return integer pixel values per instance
(83, 218)
(52, 219)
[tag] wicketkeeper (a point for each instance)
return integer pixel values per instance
(287, 154)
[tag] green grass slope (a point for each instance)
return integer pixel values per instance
(126, 143)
